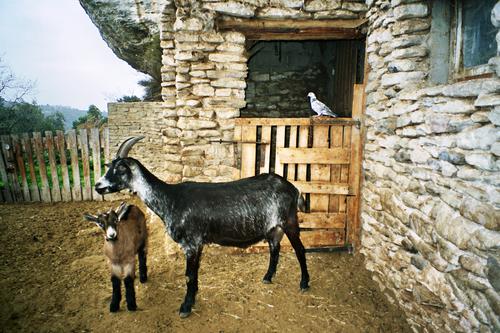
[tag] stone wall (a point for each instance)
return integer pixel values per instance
(282, 94)
(430, 209)
(204, 71)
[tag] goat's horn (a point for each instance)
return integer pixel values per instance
(127, 145)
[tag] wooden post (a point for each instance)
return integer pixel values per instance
(45, 190)
(34, 191)
(292, 144)
(320, 172)
(248, 150)
(6, 193)
(8, 153)
(336, 135)
(96, 160)
(280, 143)
(353, 229)
(266, 156)
(56, 191)
(20, 165)
(84, 147)
(61, 147)
(105, 144)
(77, 191)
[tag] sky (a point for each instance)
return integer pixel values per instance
(54, 43)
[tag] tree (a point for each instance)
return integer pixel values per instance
(128, 99)
(152, 89)
(22, 117)
(12, 88)
(93, 118)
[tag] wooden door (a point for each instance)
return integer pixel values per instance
(321, 157)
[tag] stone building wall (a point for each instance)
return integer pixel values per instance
(204, 71)
(430, 209)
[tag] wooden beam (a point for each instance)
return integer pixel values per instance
(314, 155)
(280, 25)
(321, 187)
(294, 29)
(322, 220)
(293, 121)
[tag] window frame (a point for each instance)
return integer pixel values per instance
(458, 71)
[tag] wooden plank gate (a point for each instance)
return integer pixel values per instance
(52, 168)
(322, 158)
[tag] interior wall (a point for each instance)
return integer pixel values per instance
(282, 73)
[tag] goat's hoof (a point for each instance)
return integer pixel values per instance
(143, 279)
(266, 281)
(304, 288)
(184, 314)
(114, 307)
(184, 311)
(132, 307)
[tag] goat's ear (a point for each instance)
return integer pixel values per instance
(122, 211)
(94, 219)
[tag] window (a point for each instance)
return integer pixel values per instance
(473, 37)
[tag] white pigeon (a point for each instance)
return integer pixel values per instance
(320, 108)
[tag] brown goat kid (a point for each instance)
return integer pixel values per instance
(125, 236)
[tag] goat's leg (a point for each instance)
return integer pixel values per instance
(130, 293)
(117, 294)
(192, 265)
(129, 272)
(274, 240)
(143, 269)
(292, 231)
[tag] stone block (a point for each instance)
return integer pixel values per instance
(416, 10)
(487, 100)
(195, 124)
(287, 3)
(478, 138)
(279, 13)
(229, 83)
(226, 57)
(410, 26)
(231, 8)
(401, 79)
(321, 5)
(203, 90)
(484, 161)
(453, 227)
(234, 37)
(354, 6)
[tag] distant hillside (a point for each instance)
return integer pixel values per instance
(70, 114)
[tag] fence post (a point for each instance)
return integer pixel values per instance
(96, 159)
(34, 191)
(56, 191)
(37, 137)
(3, 173)
(77, 192)
(20, 164)
(84, 147)
(61, 146)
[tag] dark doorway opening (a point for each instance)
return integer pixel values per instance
(282, 73)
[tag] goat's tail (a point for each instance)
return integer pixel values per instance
(301, 202)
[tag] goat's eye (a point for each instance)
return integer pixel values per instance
(121, 168)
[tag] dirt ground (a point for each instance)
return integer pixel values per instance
(54, 278)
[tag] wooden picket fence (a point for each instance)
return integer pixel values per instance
(52, 167)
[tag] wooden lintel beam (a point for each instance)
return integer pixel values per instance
(257, 29)
(260, 24)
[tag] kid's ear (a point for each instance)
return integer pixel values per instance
(94, 219)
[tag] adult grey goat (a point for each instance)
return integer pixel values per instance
(239, 213)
